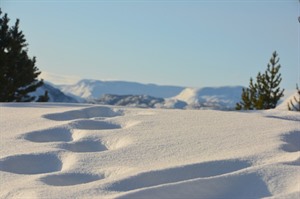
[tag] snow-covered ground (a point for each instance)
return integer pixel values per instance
(293, 98)
(87, 151)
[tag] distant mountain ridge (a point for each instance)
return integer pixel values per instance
(142, 101)
(122, 93)
(94, 89)
(153, 96)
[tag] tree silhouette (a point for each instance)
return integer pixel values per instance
(265, 92)
(18, 73)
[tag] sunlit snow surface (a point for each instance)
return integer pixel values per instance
(85, 151)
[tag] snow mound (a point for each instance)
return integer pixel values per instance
(87, 113)
(284, 104)
(231, 186)
(89, 151)
(178, 174)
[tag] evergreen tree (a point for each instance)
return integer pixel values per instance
(18, 75)
(265, 93)
(296, 106)
(270, 90)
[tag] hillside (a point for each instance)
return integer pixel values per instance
(93, 89)
(96, 91)
(224, 97)
(55, 95)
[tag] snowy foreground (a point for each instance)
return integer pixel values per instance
(85, 151)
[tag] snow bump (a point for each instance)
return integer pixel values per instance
(93, 125)
(86, 113)
(179, 174)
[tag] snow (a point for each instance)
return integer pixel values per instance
(54, 94)
(291, 98)
(224, 97)
(139, 95)
(56, 150)
(94, 89)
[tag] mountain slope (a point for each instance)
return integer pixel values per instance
(93, 89)
(55, 95)
(130, 93)
(142, 101)
(211, 97)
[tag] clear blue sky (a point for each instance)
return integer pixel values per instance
(187, 43)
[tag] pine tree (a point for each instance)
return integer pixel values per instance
(265, 93)
(18, 75)
(296, 106)
(270, 91)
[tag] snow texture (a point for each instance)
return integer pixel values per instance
(56, 150)
(284, 105)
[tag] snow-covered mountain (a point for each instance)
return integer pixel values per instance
(224, 97)
(55, 95)
(143, 101)
(94, 89)
(152, 96)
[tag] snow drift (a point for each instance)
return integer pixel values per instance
(284, 105)
(51, 150)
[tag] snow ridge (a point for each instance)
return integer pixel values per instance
(111, 152)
